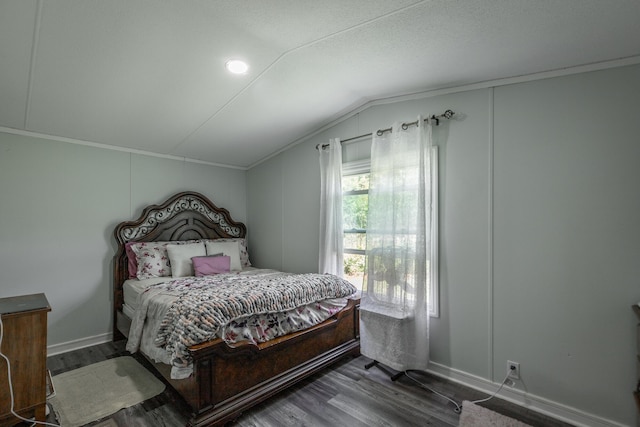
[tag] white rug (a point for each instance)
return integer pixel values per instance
(476, 416)
(101, 389)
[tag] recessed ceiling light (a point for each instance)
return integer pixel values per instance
(236, 66)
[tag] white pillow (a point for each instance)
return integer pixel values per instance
(242, 244)
(180, 258)
(230, 249)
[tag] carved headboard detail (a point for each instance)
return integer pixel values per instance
(184, 216)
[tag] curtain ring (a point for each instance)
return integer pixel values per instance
(380, 132)
(405, 126)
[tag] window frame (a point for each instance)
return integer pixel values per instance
(364, 166)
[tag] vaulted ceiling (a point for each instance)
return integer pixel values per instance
(149, 75)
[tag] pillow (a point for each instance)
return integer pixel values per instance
(180, 258)
(132, 265)
(212, 264)
(152, 259)
(228, 248)
(242, 244)
(132, 257)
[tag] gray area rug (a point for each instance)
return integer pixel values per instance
(476, 416)
(101, 389)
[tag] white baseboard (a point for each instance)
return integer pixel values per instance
(78, 344)
(535, 403)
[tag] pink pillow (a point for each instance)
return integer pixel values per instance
(208, 265)
(132, 266)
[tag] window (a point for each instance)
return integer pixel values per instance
(355, 204)
(355, 207)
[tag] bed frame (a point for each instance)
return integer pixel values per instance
(228, 380)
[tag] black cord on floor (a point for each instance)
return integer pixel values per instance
(458, 407)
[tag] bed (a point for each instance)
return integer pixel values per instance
(223, 378)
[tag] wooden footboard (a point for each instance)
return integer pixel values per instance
(228, 380)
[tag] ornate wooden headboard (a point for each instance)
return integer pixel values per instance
(185, 216)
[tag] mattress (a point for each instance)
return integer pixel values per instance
(132, 289)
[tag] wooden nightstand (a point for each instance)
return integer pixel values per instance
(24, 342)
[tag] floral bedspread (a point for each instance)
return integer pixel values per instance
(223, 305)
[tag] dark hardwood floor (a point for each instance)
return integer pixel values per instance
(343, 395)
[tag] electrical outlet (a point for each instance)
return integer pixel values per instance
(513, 370)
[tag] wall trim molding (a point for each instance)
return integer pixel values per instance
(367, 103)
(68, 346)
(526, 400)
(543, 75)
(353, 110)
(31, 134)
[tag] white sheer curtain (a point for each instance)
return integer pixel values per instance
(394, 308)
(331, 244)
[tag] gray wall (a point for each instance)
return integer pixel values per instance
(59, 204)
(539, 252)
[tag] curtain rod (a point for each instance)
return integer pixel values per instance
(446, 115)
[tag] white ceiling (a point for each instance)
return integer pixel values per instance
(149, 75)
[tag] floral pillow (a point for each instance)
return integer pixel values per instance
(152, 259)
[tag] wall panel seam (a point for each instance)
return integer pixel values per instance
(490, 236)
(32, 62)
